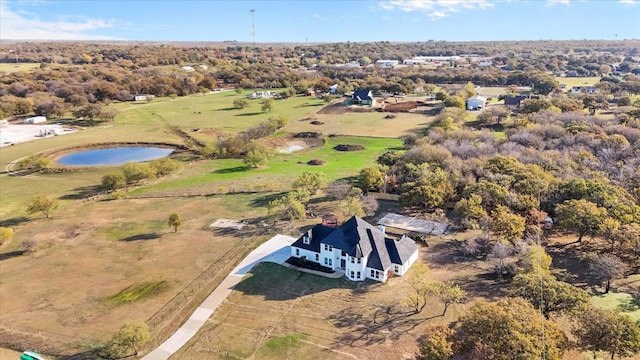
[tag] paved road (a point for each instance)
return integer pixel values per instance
(274, 250)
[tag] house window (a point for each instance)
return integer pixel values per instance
(306, 239)
(328, 261)
(328, 247)
(317, 257)
(397, 269)
(351, 260)
(344, 253)
(352, 274)
(297, 252)
(359, 260)
(358, 275)
(373, 272)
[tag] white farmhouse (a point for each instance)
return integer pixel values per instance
(358, 249)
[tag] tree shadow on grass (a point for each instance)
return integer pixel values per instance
(250, 114)
(631, 305)
(11, 254)
(231, 170)
(82, 192)
(263, 201)
(14, 221)
(147, 236)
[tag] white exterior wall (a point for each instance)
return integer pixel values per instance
(35, 120)
(355, 267)
(324, 254)
(402, 269)
(311, 256)
(382, 275)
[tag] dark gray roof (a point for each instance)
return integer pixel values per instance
(401, 250)
(358, 238)
(317, 233)
(362, 94)
(513, 100)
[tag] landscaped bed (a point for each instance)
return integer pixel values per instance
(308, 265)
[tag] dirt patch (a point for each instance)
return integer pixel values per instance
(334, 109)
(348, 147)
(316, 162)
(316, 122)
(404, 106)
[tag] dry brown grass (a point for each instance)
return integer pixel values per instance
(84, 257)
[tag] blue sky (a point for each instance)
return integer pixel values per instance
(320, 20)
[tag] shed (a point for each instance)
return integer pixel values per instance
(35, 120)
(476, 102)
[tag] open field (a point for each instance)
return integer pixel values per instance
(97, 261)
(578, 81)
(13, 67)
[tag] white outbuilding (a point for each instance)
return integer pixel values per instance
(35, 120)
(476, 102)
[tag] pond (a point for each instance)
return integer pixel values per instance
(114, 156)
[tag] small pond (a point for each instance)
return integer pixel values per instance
(114, 156)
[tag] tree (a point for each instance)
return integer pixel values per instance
(114, 181)
(267, 105)
(498, 255)
(449, 293)
(108, 114)
(310, 181)
(547, 294)
(240, 103)
(6, 234)
(581, 216)
(609, 229)
(607, 330)
(371, 178)
(135, 173)
(506, 225)
(288, 207)
(469, 90)
(435, 344)
(128, 340)
(351, 206)
(607, 268)
(454, 102)
(420, 287)
(239, 90)
(256, 157)
(174, 221)
(89, 111)
(43, 204)
(535, 259)
(338, 189)
(509, 329)
(471, 209)
(163, 166)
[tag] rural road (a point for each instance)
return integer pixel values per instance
(274, 250)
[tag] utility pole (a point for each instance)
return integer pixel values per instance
(253, 27)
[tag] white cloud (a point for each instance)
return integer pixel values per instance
(551, 3)
(435, 5)
(628, 2)
(320, 17)
(24, 25)
(437, 15)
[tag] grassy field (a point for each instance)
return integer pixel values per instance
(99, 262)
(309, 316)
(578, 81)
(13, 67)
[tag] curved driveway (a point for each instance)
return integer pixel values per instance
(274, 250)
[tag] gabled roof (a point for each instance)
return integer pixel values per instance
(362, 94)
(513, 100)
(317, 233)
(358, 238)
(478, 98)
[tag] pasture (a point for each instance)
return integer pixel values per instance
(578, 81)
(99, 262)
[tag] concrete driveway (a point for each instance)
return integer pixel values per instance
(274, 250)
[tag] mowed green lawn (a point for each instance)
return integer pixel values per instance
(233, 175)
(13, 67)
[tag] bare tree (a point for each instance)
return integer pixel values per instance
(498, 255)
(607, 268)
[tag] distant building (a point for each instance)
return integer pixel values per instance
(584, 89)
(476, 102)
(360, 97)
(188, 68)
(35, 120)
(416, 60)
(387, 63)
(142, 97)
